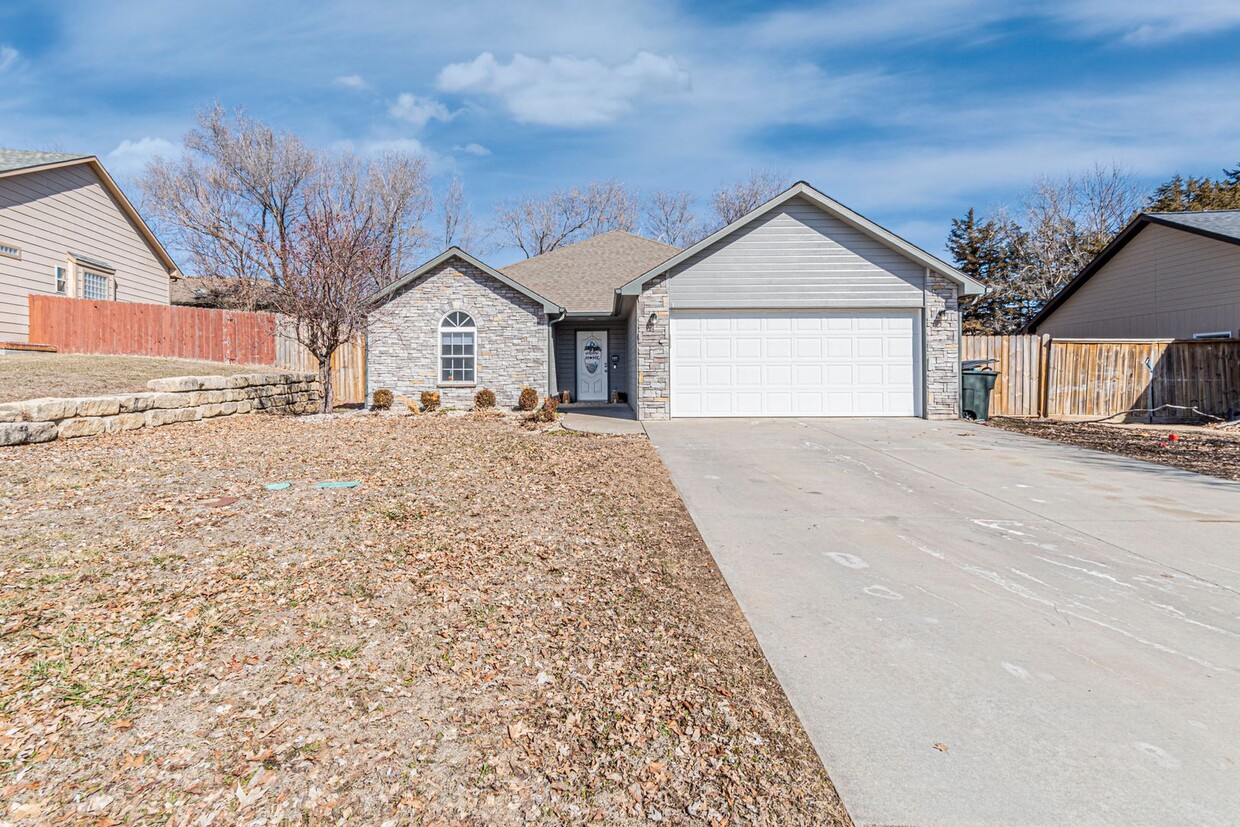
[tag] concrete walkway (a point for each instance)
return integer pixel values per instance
(602, 419)
(982, 628)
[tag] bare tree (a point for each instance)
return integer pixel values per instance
(669, 217)
(251, 204)
(744, 196)
(540, 225)
(458, 227)
(336, 252)
(1067, 222)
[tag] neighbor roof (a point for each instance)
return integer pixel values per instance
(1220, 225)
(22, 161)
(11, 159)
(584, 277)
(457, 252)
(969, 287)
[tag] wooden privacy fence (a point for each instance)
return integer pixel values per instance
(348, 363)
(134, 329)
(1089, 378)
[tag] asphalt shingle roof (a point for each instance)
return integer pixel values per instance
(11, 159)
(583, 277)
(1221, 222)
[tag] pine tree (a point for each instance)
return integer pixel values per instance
(988, 251)
(1191, 194)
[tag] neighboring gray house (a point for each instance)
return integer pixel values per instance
(800, 308)
(1166, 276)
(67, 229)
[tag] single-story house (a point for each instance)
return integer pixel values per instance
(800, 308)
(220, 293)
(1165, 276)
(66, 229)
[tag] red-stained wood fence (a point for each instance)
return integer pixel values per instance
(133, 329)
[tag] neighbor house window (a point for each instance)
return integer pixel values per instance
(1214, 334)
(457, 340)
(10, 250)
(94, 285)
(62, 280)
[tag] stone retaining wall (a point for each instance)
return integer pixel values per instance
(178, 399)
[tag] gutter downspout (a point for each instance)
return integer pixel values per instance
(551, 383)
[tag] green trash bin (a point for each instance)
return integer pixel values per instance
(976, 383)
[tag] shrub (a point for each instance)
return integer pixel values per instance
(547, 412)
(484, 399)
(430, 401)
(528, 400)
(381, 399)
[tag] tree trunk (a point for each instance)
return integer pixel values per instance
(325, 377)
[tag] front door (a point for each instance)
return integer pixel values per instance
(591, 365)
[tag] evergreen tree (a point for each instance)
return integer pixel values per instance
(1191, 194)
(989, 251)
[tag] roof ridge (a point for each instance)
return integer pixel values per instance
(1189, 212)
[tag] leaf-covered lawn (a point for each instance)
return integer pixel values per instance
(36, 375)
(498, 626)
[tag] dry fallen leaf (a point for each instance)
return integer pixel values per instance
(940, 747)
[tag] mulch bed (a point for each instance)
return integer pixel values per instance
(1203, 450)
(497, 626)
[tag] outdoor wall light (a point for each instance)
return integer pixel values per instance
(652, 321)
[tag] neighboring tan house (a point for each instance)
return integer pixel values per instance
(1166, 276)
(67, 229)
(800, 308)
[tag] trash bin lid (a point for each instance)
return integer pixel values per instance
(971, 364)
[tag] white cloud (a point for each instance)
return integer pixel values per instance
(355, 82)
(564, 90)
(131, 157)
(8, 57)
(419, 111)
(472, 149)
(405, 146)
(1150, 21)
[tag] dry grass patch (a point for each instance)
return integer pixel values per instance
(499, 626)
(1189, 447)
(31, 376)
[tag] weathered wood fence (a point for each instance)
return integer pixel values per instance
(1088, 378)
(348, 363)
(135, 329)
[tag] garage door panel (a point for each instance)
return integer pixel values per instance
(773, 363)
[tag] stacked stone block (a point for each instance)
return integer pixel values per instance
(654, 351)
(177, 399)
(942, 318)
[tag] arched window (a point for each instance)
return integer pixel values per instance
(457, 335)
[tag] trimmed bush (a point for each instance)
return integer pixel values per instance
(381, 399)
(430, 401)
(484, 399)
(528, 400)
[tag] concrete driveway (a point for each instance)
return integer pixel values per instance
(982, 628)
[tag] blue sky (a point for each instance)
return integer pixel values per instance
(909, 111)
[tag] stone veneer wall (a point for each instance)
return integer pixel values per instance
(402, 341)
(178, 399)
(942, 320)
(654, 351)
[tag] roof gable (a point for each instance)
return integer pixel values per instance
(1219, 225)
(457, 252)
(801, 189)
(584, 276)
(21, 162)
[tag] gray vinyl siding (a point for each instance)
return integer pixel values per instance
(797, 256)
(54, 212)
(1163, 284)
(566, 353)
(630, 356)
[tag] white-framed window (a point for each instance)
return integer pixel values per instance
(62, 280)
(457, 346)
(1214, 334)
(10, 250)
(95, 285)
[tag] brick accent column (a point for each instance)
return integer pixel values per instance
(942, 342)
(654, 351)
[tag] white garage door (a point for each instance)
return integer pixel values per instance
(815, 363)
